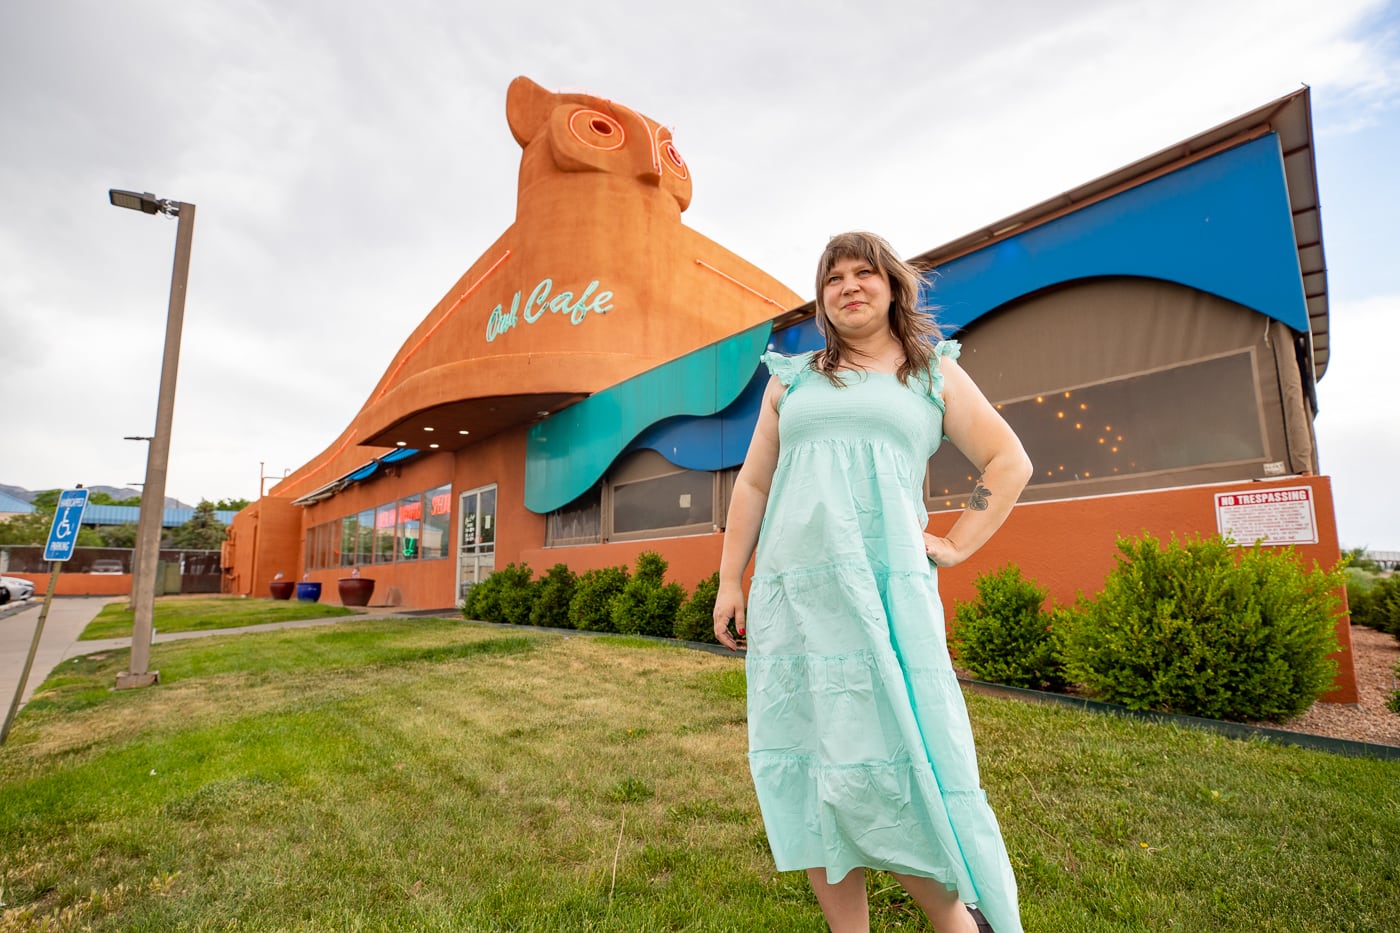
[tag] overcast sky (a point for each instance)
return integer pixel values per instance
(350, 160)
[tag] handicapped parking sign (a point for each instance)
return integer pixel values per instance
(67, 519)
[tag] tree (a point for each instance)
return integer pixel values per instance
(203, 532)
(103, 498)
(1356, 557)
(118, 535)
(232, 505)
(33, 528)
(46, 501)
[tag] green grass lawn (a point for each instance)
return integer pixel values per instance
(187, 614)
(429, 774)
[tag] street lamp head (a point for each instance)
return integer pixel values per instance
(137, 437)
(147, 203)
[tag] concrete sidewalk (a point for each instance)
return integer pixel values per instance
(67, 618)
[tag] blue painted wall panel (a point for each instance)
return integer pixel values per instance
(1222, 225)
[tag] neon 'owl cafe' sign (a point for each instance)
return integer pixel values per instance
(591, 300)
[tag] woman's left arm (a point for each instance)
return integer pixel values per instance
(984, 437)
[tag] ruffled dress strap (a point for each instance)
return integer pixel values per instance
(788, 368)
(952, 349)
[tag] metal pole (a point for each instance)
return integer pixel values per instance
(33, 650)
(148, 528)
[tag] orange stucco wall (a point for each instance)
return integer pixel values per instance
(265, 539)
(79, 584)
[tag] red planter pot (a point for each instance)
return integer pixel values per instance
(282, 589)
(355, 591)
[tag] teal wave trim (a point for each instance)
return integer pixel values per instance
(570, 450)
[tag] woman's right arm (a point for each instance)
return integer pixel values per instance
(746, 507)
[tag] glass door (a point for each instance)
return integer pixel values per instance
(476, 557)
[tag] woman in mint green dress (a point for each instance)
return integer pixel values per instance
(859, 742)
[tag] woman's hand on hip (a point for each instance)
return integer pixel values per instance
(942, 552)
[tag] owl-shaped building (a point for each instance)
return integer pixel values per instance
(586, 390)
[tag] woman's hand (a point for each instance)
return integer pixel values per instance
(942, 551)
(729, 604)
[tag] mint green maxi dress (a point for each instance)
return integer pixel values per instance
(859, 741)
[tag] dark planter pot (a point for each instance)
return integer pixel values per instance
(355, 591)
(282, 589)
(309, 592)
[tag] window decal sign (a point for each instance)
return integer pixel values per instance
(576, 310)
(1272, 517)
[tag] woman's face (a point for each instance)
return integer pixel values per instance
(857, 298)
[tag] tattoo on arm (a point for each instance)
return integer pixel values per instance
(977, 502)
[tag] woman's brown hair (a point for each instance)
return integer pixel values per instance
(916, 330)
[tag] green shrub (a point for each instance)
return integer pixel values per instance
(696, 619)
(517, 594)
(482, 601)
(1006, 637)
(590, 608)
(647, 605)
(1203, 629)
(1376, 606)
(505, 596)
(556, 588)
(1360, 600)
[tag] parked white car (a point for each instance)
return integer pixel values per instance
(14, 588)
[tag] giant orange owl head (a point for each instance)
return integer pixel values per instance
(582, 133)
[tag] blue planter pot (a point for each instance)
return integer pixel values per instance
(309, 592)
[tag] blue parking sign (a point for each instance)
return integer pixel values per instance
(67, 519)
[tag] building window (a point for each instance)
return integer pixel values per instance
(479, 521)
(410, 526)
(348, 541)
(385, 526)
(1200, 414)
(579, 522)
(322, 550)
(643, 496)
(364, 537)
(437, 523)
(674, 503)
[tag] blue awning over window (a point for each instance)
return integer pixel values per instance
(357, 475)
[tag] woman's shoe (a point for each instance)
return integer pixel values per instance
(982, 925)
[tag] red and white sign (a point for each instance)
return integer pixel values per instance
(1268, 516)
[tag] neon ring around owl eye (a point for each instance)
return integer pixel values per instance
(597, 130)
(671, 157)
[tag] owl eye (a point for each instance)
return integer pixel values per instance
(671, 157)
(597, 130)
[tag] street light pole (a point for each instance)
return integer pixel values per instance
(148, 528)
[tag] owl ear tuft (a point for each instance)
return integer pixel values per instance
(527, 108)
